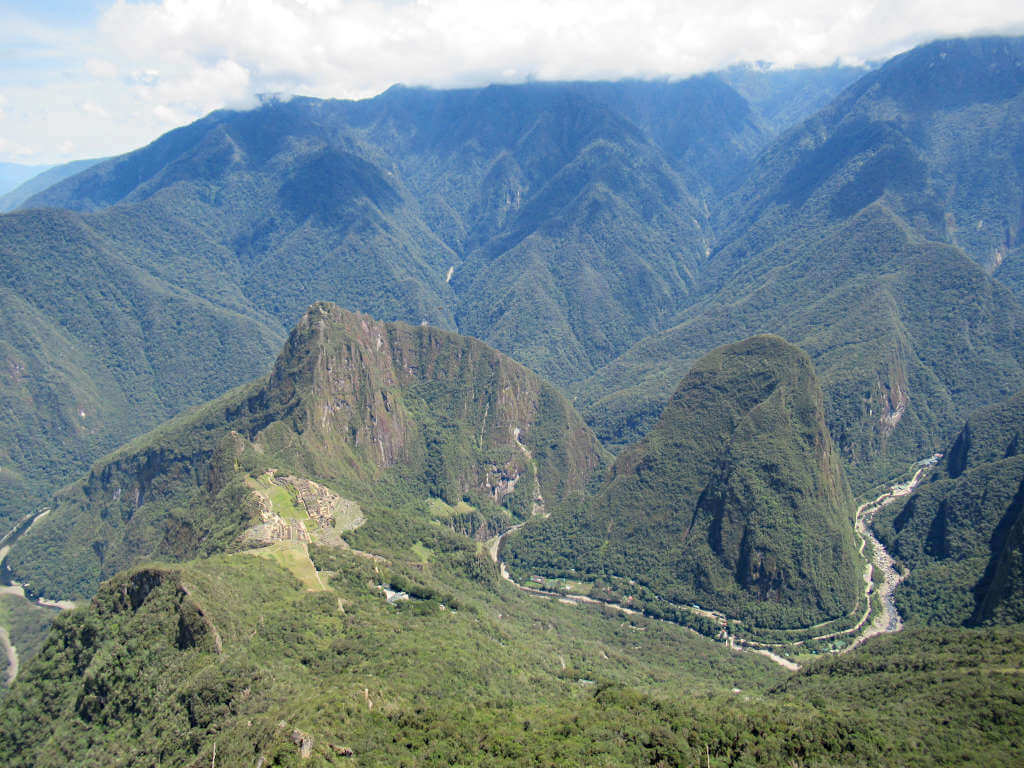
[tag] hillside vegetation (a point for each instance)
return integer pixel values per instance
(395, 545)
(962, 534)
(867, 235)
(556, 222)
(569, 225)
(734, 500)
(388, 415)
(170, 665)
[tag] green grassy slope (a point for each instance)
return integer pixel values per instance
(172, 663)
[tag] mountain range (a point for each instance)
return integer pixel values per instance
(960, 534)
(589, 230)
(411, 429)
(389, 416)
(248, 217)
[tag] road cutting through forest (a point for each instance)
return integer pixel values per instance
(887, 620)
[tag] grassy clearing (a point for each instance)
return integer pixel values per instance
(282, 498)
(438, 508)
(422, 552)
(294, 557)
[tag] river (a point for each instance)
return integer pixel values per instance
(887, 620)
(8, 585)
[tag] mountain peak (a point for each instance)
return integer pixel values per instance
(735, 499)
(377, 410)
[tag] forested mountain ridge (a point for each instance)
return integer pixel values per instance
(560, 222)
(311, 568)
(961, 535)
(935, 131)
(734, 500)
(536, 217)
(233, 656)
(13, 199)
(95, 348)
(841, 237)
(388, 415)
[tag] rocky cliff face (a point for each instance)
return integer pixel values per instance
(734, 500)
(961, 534)
(392, 395)
(352, 402)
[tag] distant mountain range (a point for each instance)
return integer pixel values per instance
(604, 234)
(14, 174)
(315, 409)
(867, 235)
(560, 222)
(43, 177)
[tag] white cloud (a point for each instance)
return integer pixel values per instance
(149, 66)
(13, 150)
(95, 110)
(101, 68)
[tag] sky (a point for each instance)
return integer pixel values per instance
(92, 78)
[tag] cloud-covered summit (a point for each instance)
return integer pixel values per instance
(118, 76)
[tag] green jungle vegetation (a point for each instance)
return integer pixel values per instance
(961, 535)
(735, 500)
(385, 413)
(548, 225)
(231, 655)
(562, 223)
(95, 350)
(26, 624)
(832, 240)
(608, 235)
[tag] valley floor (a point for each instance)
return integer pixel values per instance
(880, 577)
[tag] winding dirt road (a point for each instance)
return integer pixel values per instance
(12, 656)
(887, 620)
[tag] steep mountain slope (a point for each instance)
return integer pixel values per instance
(388, 415)
(41, 181)
(783, 98)
(961, 534)
(162, 303)
(230, 661)
(95, 348)
(832, 241)
(906, 337)
(564, 224)
(13, 174)
(936, 131)
(705, 128)
(508, 178)
(536, 217)
(735, 499)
